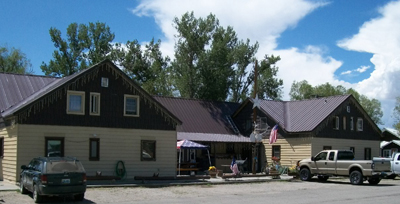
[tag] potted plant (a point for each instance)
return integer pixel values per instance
(212, 171)
(292, 171)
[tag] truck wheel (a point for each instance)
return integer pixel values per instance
(323, 178)
(356, 178)
(36, 197)
(374, 181)
(305, 174)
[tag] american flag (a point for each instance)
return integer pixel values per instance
(273, 136)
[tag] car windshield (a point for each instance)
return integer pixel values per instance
(64, 166)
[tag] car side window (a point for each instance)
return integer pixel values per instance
(321, 156)
(331, 156)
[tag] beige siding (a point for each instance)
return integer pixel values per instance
(359, 145)
(292, 150)
(8, 170)
(115, 145)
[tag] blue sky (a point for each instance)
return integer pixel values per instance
(354, 43)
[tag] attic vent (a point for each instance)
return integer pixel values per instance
(348, 109)
(104, 82)
(235, 129)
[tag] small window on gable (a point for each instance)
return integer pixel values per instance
(76, 102)
(360, 124)
(94, 103)
(336, 123)
(104, 82)
(94, 149)
(131, 106)
(351, 123)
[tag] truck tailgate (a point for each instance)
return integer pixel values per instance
(381, 164)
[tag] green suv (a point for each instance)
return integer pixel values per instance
(53, 176)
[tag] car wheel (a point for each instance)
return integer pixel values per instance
(356, 178)
(323, 178)
(79, 197)
(305, 174)
(22, 189)
(374, 181)
(36, 197)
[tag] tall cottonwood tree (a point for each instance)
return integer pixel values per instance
(13, 60)
(211, 62)
(85, 45)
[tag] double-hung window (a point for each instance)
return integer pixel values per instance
(131, 105)
(94, 149)
(76, 102)
(359, 124)
(94, 103)
(276, 151)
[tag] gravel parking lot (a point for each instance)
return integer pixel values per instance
(205, 193)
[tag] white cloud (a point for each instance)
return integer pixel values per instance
(362, 69)
(346, 72)
(264, 21)
(381, 37)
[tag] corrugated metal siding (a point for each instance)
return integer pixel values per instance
(14, 87)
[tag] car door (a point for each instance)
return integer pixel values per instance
(330, 164)
(28, 176)
(396, 164)
(320, 162)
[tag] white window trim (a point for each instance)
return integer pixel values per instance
(351, 123)
(82, 94)
(360, 128)
(137, 105)
(98, 103)
(337, 122)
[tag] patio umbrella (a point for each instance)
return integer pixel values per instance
(187, 144)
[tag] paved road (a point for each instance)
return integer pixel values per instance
(333, 191)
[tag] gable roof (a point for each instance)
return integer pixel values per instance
(301, 116)
(203, 120)
(14, 88)
(52, 88)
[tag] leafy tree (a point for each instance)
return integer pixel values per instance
(85, 45)
(396, 114)
(148, 67)
(303, 90)
(14, 61)
(211, 62)
(268, 87)
(241, 80)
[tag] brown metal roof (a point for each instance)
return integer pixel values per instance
(201, 116)
(301, 116)
(15, 88)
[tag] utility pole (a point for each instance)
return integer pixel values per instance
(255, 146)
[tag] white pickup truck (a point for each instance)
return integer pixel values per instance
(341, 163)
(395, 165)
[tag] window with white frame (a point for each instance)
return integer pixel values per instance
(386, 153)
(76, 102)
(344, 122)
(360, 124)
(131, 106)
(336, 123)
(351, 123)
(94, 103)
